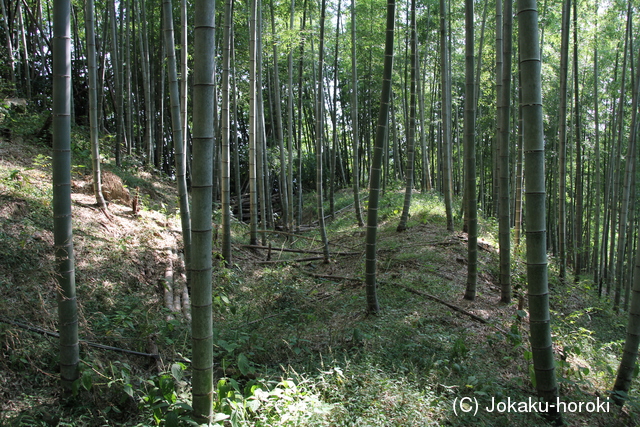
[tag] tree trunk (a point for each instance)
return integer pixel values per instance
(176, 125)
(158, 158)
(262, 164)
(598, 173)
(402, 226)
(334, 150)
(320, 136)
(290, 134)
(504, 129)
(127, 77)
(279, 132)
(146, 84)
(498, 136)
(580, 251)
(447, 184)
(226, 158)
(629, 177)
(470, 151)
(300, 116)
(203, 132)
(62, 225)
(253, 182)
(93, 104)
(184, 78)
(116, 66)
(628, 362)
(615, 169)
(562, 142)
(25, 54)
(533, 139)
(519, 171)
(5, 23)
(426, 169)
(234, 130)
(376, 163)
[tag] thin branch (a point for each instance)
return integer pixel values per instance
(451, 306)
(90, 344)
(423, 294)
(315, 258)
(300, 251)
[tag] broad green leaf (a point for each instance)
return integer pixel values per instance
(171, 420)
(244, 365)
(87, 380)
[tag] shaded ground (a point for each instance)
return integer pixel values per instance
(276, 318)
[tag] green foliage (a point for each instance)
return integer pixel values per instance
(25, 124)
(165, 398)
(42, 161)
(262, 403)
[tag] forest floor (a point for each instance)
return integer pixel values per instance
(293, 343)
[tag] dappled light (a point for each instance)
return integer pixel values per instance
(327, 213)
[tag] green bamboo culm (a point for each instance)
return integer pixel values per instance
(354, 119)
(253, 128)
(504, 206)
(178, 140)
(376, 165)
(411, 132)
(225, 155)
(470, 155)
(320, 138)
(630, 352)
(536, 233)
(62, 226)
(93, 103)
(445, 85)
(201, 232)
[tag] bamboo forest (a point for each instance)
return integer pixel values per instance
(319, 213)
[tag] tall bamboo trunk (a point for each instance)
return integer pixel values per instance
(62, 225)
(184, 76)
(470, 152)
(116, 65)
(25, 53)
(499, 42)
(203, 134)
(535, 215)
(253, 182)
(290, 121)
(562, 142)
(376, 164)
(320, 137)
(578, 224)
(93, 103)
(176, 125)
(614, 194)
(279, 132)
(447, 181)
(598, 173)
(8, 38)
(402, 226)
(225, 154)
(504, 139)
(629, 178)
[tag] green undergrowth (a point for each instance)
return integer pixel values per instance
(293, 345)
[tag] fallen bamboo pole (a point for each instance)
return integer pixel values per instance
(38, 330)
